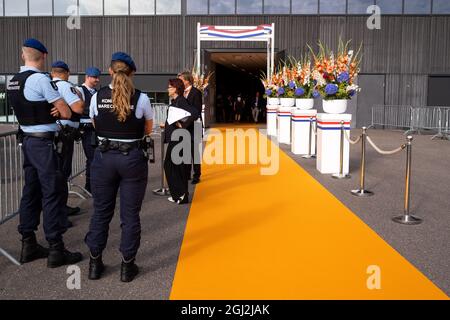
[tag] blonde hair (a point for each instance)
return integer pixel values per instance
(123, 89)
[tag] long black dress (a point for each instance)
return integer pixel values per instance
(176, 174)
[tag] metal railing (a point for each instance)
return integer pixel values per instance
(11, 175)
(391, 116)
(159, 114)
(78, 168)
(11, 180)
(413, 119)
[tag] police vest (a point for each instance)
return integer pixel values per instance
(28, 113)
(87, 102)
(108, 126)
(75, 116)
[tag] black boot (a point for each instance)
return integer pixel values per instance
(73, 211)
(96, 267)
(128, 271)
(31, 250)
(59, 255)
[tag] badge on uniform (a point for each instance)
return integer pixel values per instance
(54, 85)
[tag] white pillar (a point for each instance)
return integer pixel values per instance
(272, 110)
(284, 124)
(329, 143)
(301, 122)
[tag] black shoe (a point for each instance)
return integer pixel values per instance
(60, 256)
(73, 211)
(96, 267)
(195, 180)
(31, 250)
(128, 271)
(183, 199)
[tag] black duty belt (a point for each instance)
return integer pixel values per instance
(45, 135)
(86, 125)
(124, 147)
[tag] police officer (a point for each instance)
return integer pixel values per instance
(36, 103)
(122, 116)
(68, 128)
(87, 90)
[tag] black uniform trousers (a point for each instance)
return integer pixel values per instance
(43, 190)
(110, 171)
(89, 148)
(176, 174)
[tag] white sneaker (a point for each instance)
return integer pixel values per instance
(171, 199)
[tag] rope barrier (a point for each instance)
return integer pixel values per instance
(350, 140)
(384, 152)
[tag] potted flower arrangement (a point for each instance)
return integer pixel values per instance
(286, 86)
(271, 91)
(201, 81)
(304, 85)
(335, 76)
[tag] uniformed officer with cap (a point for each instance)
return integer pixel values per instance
(87, 90)
(68, 129)
(122, 116)
(37, 104)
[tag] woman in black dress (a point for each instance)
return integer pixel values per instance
(176, 174)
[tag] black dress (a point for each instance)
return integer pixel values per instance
(176, 174)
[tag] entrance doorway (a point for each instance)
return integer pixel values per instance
(237, 73)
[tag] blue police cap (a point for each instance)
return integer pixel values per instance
(35, 44)
(60, 64)
(93, 72)
(122, 56)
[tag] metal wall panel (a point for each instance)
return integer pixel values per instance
(406, 89)
(407, 49)
(439, 57)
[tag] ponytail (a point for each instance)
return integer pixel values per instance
(123, 89)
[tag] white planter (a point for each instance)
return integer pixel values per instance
(273, 101)
(335, 106)
(287, 102)
(304, 104)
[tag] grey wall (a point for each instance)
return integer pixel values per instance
(407, 48)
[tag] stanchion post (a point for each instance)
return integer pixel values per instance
(341, 174)
(309, 155)
(362, 192)
(163, 191)
(407, 218)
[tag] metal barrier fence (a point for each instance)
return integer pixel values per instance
(11, 181)
(392, 116)
(11, 175)
(159, 114)
(78, 168)
(413, 119)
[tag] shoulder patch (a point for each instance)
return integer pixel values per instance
(54, 85)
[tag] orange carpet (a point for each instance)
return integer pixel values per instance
(284, 236)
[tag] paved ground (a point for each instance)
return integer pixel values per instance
(426, 246)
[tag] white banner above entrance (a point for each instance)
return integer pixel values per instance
(263, 32)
